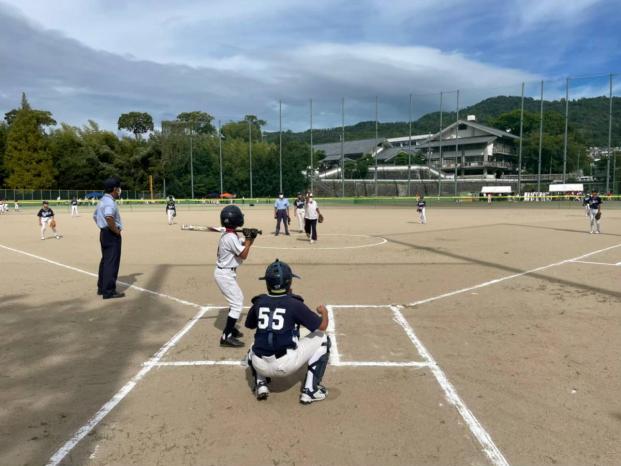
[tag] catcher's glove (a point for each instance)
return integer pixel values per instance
(598, 216)
(53, 224)
(320, 219)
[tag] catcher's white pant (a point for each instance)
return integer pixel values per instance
(309, 350)
(594, 222)
(421, 216)
(300, 215)
(171, 215)
(74, 210)
(226, 279)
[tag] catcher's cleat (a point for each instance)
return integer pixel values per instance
(230, 342)
(262, 391)
(236, 333)
(307, 397)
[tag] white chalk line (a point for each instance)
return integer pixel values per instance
(128, 285)
(83, 431)
(485, 440)
(596, 263)
(335, 356)
(315, 248)
(510, 277)
(242, 363)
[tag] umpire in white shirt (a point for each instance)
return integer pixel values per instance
(108, 220)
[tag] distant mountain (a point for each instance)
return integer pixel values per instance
(588, 116)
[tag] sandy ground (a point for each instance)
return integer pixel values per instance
(535, 357)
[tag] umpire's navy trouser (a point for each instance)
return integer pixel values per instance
(281, 215)
(110, 261)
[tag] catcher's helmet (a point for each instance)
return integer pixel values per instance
(231, 217)
(278, 277)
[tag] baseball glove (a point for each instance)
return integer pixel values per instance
(53, 224)
(320, 219)
(598, 216)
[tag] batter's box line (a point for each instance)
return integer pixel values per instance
(242, 363)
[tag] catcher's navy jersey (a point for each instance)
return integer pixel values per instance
(45, 213)
(277, 320)
(595, 202)
(170, 205)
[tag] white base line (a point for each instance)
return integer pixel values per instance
(128, 285)
(234, 362)
(335, 356)
(123, 392)
(595, 263)
(479, 432)
(509, 277)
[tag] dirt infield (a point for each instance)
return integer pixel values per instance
(487, 336)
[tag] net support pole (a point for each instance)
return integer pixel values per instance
(250, 155)
(456, 140)
(220, 156)
(312, 167)
(191, 163)
(280, 144)
(540, 140)
(342, 146)
(566, 129)
(376, 138)
(440, 149)
(410, 148)
(519, 173)
(609, 137)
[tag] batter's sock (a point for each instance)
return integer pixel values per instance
(230, 325)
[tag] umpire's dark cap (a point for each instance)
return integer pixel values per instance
(111, 183)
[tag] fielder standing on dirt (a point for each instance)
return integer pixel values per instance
(171, 209)
(595, 212)
(420, 208)
(232, 251)
(312, 215)
(299, 211)
(46, 216)
(278, 350)
(74, 207)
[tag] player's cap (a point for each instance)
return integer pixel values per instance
(112, 182)
(278, 277)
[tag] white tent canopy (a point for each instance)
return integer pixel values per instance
(566, 188)
(496, 190)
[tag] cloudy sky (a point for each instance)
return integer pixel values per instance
(96, 59)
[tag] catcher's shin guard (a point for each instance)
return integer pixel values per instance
(317, 366)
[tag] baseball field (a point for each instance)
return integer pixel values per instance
(490, 335)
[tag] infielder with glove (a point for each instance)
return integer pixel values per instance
(278, 350)
(46, 216)
(232, 251)
(595, 212)
(171, 209)
(420, 208)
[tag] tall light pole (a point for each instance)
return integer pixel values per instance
(410, 148)
(220, 151)
(440, 157)
(312, 167)
(376, 137)
(566, 129)
(609, 139)
(191, 162)
(342, 146)
(250, 154)
(456, 140)
(520, 147)
(540, 140)
(280, 143)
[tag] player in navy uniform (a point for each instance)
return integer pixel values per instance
(46, 215)
(420, 208)
(278, 350)
(595, 212)
(171, 209)
(74, 207)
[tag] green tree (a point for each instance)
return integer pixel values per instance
(240, 129)
(27, 160)
(199, 122)
(137, 123)
(4, 129)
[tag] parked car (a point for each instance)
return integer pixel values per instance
(94, 195)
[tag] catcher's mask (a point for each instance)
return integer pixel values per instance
(231, 217)
(278, 277)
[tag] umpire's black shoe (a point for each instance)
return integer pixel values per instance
(236, 333)
(230, 341)
(114, 295)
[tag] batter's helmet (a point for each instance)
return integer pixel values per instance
(278, 277)
(231, 217)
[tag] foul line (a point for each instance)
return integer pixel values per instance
(235, 362)
(479, 432)
(596, 263)
(510, 277)
(63, 451)
(128, 285)
(335, 356)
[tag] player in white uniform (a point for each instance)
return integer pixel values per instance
(74, 207)
(420, 208)
(299, 211)
(16, 207)
(232, 251)
(3, 207)
(46, 215)
(171, 209)
(311, 217)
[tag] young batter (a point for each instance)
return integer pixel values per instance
(232, 251)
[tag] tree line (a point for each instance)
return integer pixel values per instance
(37, 153)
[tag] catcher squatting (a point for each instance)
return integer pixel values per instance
(276, 317)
